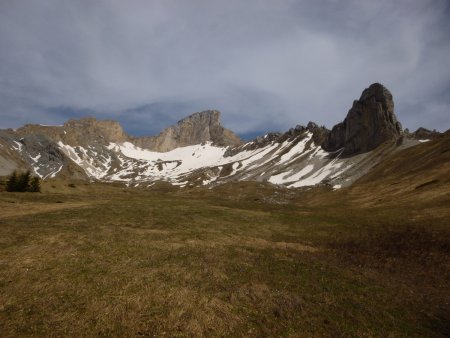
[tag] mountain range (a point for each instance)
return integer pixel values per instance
(198, 150)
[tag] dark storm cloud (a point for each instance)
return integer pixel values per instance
(267, 65)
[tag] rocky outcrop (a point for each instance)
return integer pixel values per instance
(79, 132)
(425, 134)
(370, 122)
(103, 131)
(298, 133)
(195, 129)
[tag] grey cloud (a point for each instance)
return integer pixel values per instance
(267, 65)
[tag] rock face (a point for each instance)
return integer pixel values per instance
(79, 132)
(92, 129)
(194, 129)
(370, 122)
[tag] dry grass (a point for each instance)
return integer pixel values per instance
(14, 209)
(242, 260)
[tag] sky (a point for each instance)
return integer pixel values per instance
(266, 65)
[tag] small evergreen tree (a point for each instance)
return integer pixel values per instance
(23, 182)
(11, 185)
(35, 185)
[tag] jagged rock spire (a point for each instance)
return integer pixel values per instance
(370, 122)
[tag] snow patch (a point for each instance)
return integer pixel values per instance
(19, 146)
(35, 159)
(297, 149)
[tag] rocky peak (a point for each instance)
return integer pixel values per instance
(311, 126)
(379, 94)
(299, 129)
(210, 117)
(319, 133)
(423, 133)
(90, 129)
(370, 122)
(197, 128)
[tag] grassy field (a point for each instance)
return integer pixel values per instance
(239, 260)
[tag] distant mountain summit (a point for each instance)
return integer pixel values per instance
(195, 129)
(198, 150)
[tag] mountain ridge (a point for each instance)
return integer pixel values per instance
(198, 150)
(194, 129)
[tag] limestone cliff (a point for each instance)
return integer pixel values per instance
(79, 132)
(370, 122)
(194, 129)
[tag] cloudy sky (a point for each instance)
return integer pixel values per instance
(266, 65)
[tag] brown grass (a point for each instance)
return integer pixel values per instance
(14, 209)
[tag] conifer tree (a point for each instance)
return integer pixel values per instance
(23, 182)
(11, 185)
(35, 185)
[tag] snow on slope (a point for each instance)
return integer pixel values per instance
(175, 164)
(33, 151)
(94, 164)
(290, 160)
(295, 162)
